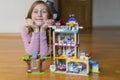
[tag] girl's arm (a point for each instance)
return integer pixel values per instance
(31, 42)
(44, 49)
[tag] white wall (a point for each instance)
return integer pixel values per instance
(12, 15)
(106, 13)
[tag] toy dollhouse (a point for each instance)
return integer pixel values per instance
(66, 55)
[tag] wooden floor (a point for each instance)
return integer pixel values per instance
(105, 45)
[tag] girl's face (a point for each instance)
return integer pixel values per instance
(39, 14)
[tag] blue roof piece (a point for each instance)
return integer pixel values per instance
(72, 19)
(93, 62)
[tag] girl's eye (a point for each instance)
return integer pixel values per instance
(44, 11)
(35, 11)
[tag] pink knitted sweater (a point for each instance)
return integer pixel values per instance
(35, 43)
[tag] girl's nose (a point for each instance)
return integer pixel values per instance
(40, 14)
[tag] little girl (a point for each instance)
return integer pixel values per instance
(34, 34)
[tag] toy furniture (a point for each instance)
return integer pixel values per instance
(94, 66)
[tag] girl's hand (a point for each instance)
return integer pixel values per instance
(30, 23)
(46, 24)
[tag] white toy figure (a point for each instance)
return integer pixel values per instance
(83, 56)
(53, 66)
(80, 68)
